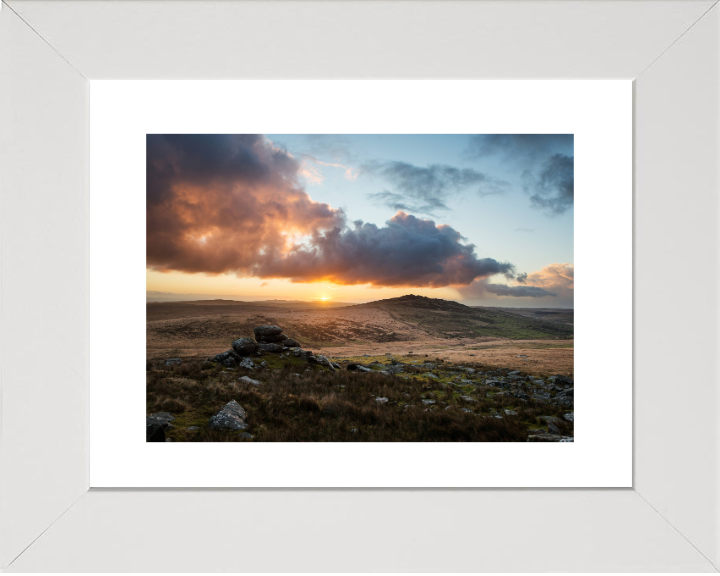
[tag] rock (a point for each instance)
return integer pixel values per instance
(428, 402)
(193, 428)
(230, 417)
(322, 361)
(514, 373)
(162, 418)
(553, 429)
(274, 338)
(381, 400)
(510, 412)
(336, 365)
(429, 375)
(244, 346)
(267, 330)
(549, 438)
(220, 358)
(248, 380)
(563, 381)
(168, 439)
(290, 343)
(364, 369)
(173, 362)
(154, 432)
(467, 399)
(549, 419)
(263, 364)
(569, 416)
(229, 362)
(270, 347)
(246, 436)
(566, 397)
(247, 364)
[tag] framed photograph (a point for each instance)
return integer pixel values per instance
(497, 381)
(354, 292)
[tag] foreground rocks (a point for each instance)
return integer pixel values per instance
(155, 426)
(229, 417)
(542, 406)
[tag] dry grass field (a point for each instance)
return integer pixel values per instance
(491, 336)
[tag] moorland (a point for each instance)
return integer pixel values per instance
(402, 369)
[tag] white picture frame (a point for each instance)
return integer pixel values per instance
(50, 521)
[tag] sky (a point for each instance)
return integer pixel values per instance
(484, 219)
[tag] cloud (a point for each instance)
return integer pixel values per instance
(559, 278)
(554, 280)
(313, 175)
(427, 189)
(518, 291)
(481, 288)
(233, 204)
(263, 284)
(519, 149)
(552, 189)
(524, 230)
(546, 162)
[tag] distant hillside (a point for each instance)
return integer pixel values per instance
(447, 319)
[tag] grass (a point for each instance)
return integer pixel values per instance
(299, 403)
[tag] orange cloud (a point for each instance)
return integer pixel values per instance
(559, 278)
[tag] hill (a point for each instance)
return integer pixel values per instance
(447, 319)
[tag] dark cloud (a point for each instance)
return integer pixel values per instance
(233, 204)
(521, 278)
(427, 189)
(518, 291)
(481, 288)
(519, 149)
(552, 189)
(546, 162)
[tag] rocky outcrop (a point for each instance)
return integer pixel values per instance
(266, 330)
(270, 347)
(229, 417)
(290, 343)
(244, 346)
(273, 338)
